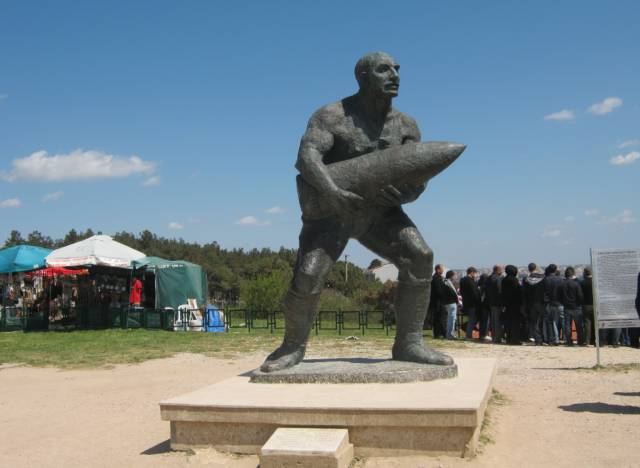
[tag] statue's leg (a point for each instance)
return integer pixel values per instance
(321, 243)
(397, 239)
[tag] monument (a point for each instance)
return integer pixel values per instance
(360, 160)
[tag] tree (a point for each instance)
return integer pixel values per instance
(36, 238)
(71, 237)
(375, 263)
(15, 238)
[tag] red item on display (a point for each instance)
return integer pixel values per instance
(136, 292)
(56, 271)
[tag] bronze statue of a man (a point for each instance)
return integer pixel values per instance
(355, 126)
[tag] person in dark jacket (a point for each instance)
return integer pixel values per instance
(450, 303)
(571, 297)
(485, 309)
(493, 296)
(512, 300)
(587, 306)
(533, 295)
(471, 301)
(553, 310)
(436, 308)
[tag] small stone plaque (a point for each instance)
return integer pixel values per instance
(301, 447)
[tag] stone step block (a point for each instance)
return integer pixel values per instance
(305, 447)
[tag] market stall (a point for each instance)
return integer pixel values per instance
(102, 295)
(173, 282)
(174, 290)
(17, 291)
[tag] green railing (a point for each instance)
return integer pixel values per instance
(341, 322)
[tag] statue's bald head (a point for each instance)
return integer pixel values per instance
(367, 62)
(378, 70)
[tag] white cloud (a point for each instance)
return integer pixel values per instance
(564, 114)
(625, 159)
(625, 217)
(629, 143)
(174, 225)
(275, 210)
(606, 106)
(591, 212)
(251, 221)
(551, 232)
(77, 165)
(52, 196)
(151, 181)
(569, 219)
(10, 203)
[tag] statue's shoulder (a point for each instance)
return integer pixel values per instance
(328, 116)
(408, 124)
(405, 119)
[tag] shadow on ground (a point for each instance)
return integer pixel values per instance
(603, 408)
(627, 393)
(158, 449)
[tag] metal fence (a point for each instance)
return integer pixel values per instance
(349, 322)
(338, 321)
(99, 317)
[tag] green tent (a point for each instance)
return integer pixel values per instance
(175, 281)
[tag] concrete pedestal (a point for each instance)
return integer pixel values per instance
(437, 417)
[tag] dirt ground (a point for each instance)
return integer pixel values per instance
(556, 413)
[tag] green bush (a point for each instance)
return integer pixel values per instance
(265, 292)
(330, 299)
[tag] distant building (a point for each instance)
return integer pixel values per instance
(383, 273)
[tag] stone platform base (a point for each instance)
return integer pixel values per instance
(355, 370)
(437, 417)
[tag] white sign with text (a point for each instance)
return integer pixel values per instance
(615, 283)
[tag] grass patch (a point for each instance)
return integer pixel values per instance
(101, 348)
(496, 400)
(620, 367)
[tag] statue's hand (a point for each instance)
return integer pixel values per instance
(391, 196)
(343, 201)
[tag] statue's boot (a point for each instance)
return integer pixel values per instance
(299, 314)
(411, 303)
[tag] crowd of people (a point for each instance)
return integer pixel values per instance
(545, 308)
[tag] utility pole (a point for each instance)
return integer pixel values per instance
(346, 268)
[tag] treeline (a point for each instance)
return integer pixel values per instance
(255, 278)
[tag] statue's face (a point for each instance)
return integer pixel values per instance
(383, 77)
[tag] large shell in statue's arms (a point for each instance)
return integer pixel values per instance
(408, 164)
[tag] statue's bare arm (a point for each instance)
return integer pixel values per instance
(316, 142)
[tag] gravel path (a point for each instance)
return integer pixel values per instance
(559, 412)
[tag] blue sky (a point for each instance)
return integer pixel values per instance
(185, 118)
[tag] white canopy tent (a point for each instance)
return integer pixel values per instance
(96, 250)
